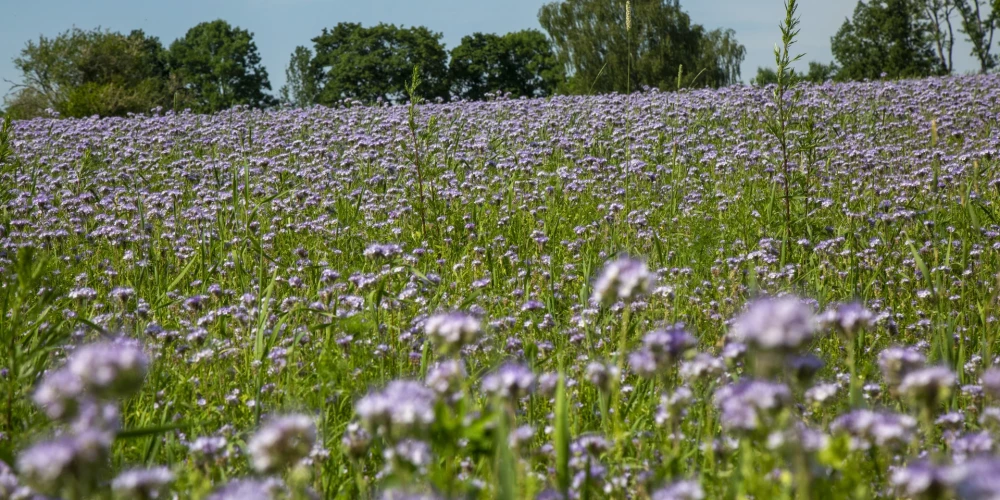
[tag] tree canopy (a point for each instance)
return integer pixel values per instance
(817, 73)
(888, 37)
(301, 79)
(520, 63)
(368, 64)
(220, 67)
(82, 73)
(660, 47)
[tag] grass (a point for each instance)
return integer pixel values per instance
(529, 194)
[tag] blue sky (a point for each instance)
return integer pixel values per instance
(280, 25)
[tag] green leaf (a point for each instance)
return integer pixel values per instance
(562, 437)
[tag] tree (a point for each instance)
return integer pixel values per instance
(721, 57)
(521, 63)
(767, 76)
(302, 87)
(375, 63)
(591, 40)
(884, 36)
(978, 27)
(82, 73)
(938, 14)
(818, 73)
(219, 67)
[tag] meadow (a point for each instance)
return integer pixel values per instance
(640, 296)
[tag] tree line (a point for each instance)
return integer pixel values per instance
(585, 48)
(905, 39)
(588, 46)
(82, 73)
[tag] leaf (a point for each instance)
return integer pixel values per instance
(562, 437)
(923, 267)
(506, 468)
(181, 276)
(147, 431)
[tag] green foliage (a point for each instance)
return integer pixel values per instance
(302, 85)
(521, 63)
(885, 36)
(374, 63)
(590, 39)
(938, 15)
(818, 73)
(81, 73)
(219, 67)
(32, 329)
(6, 132)
(978, 25)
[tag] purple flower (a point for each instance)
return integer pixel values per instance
(751, 404)
(250, 489)
(928, 385)
(382, 251)
(991, 382)
(849, 318)
(681, 490)
(356, 440)
(75, 459)
(869, 428)
(624, 279)
(446, 377)
(9, 485)
(406, 494)
(978, 479)
(142, 484)
(402, 408)
(701, 366)
(410, 454)
(452, 331)
(603, 376)
(971, 444)
(59, 394)
(114, 369)
(897, 362)
(208, 449)
(282, 442)
(923, 479)
(511, 382)
(781, 324)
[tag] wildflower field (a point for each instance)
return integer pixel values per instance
(645, 296)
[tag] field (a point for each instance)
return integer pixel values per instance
(600, 297)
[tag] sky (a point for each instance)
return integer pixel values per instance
(280, 25)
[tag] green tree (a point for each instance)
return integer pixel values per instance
(885, 36)
(768, 76)
(219, 67)
(938, 15)
(590, 39)
(302, 87)
(82, 73)
(521, 63)
(721, 57)
(978, 26)
(374, 63)
(817, 73)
